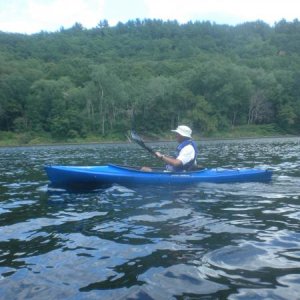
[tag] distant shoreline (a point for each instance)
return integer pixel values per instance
(147, 140)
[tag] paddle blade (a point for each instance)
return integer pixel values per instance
(137, 139)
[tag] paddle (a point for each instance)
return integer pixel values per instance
(138, 140)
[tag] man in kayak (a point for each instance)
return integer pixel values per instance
(186, 152)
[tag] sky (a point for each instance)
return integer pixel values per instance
(33, 16)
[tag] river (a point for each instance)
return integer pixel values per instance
(208, 241)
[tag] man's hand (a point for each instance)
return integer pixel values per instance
(159, 155)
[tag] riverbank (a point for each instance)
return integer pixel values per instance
(10, 139)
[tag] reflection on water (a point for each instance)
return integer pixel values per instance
(216, 241)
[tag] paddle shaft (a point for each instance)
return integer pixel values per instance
(148, 148)
(141, 143)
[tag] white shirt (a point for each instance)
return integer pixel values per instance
(186, 154)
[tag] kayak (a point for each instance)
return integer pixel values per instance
(96, 176)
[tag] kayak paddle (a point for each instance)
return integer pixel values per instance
(138, 140)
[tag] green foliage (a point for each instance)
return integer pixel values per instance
(203, 116)
(151, 75)
(248, 131)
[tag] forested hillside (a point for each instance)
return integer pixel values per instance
(150, 75)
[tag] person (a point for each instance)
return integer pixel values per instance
(186, 152)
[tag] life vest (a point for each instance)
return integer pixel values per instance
(189, 166)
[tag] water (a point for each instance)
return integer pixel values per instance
(209, 241)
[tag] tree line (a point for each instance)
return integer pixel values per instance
(151, 75)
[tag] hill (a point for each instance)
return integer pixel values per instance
(150, 75)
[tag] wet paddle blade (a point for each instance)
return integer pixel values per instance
(138, 140)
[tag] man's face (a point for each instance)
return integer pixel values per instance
(179, 137)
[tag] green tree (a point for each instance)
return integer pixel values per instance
(202, 116)
(109, 98)
(14, 89)
(48, 100)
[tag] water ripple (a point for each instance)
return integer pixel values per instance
(210, 241)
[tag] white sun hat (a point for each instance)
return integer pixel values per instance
(183, 131)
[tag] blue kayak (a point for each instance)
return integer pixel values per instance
(96, 176)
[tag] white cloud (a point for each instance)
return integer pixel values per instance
(29, 16)
(228, 11)
(36, 15)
